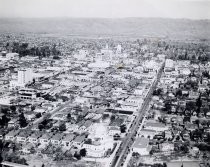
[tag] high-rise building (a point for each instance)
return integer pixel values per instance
(119, 49)
(25, 76)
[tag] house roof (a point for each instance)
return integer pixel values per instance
(69, 137)
(141, 143)
(57, 136)
(35, 135)
(46, 136)
(148, 131)
(12, 133)
(79, 139)
(154, 124)
(191, 126)
(114, 128)
(23, 134)
(185, 164)
(88, 123)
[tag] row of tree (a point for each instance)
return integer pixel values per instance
(23, 49)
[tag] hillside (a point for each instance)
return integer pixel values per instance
(127, 27)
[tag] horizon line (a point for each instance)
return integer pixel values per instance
(73, 17)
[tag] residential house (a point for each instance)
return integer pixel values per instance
(48, 106)
(86, 125)
(72, 128)
(34, 137)
(114, 130)
(56, 139)
(66, 141)
(45, 138)
(78, 141)
(41, 110)
(13, 122)
(59, 117)
(29, 115)
(22, 136)
(26, 148)
(11, 135)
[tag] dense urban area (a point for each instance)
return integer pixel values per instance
(104, 102)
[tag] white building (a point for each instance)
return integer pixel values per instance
(34, 138)
(66, 142)
(27, 93)
(11, 135)
(99, 65)
(25, 76)
(156, 126)
(141, 146)
(12, 55)
(119, 49)
(100, 143)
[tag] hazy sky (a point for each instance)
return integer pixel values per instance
(193, 9)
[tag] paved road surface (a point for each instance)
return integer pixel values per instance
(129, 139)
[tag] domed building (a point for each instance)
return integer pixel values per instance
(98, 142)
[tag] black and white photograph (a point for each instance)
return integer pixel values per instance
(104, 83)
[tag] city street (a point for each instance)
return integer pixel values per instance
(126, 144)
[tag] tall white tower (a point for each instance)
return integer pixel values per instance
(24, 76)
(119, 49)
(107, 46)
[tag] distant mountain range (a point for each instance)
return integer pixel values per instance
(100, 27)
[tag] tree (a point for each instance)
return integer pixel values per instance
(77, 156)
(33, 108)
(179, 92)
(1, 158)
(62, 127)
(199, 102)
(22, 120)
(38, 115)
(205, 74)
(64, 98)
(197, 122)
(164, 164)
(56, 57)
(105, 116)
(168, 106)
(184, 148)
(68, 117)
(13, 108)
(123, 128)
(158, 92)
(116, 137)
(136, 154)
(177, 138)
(4, 120)
(4, 110)
(22, 161)
(190, 106)
(83, 152)
(112, 118)
(41, 126)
